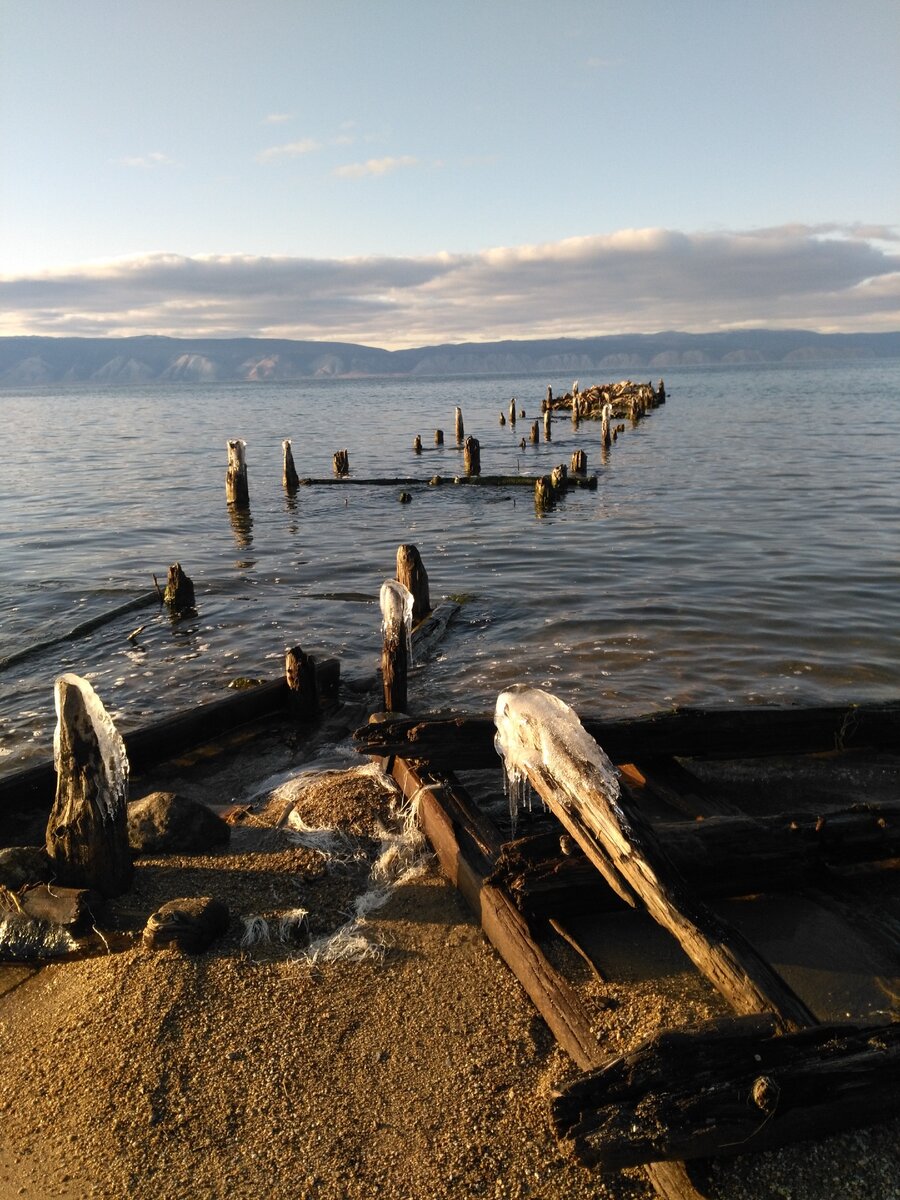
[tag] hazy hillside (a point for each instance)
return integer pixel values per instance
(26, 361)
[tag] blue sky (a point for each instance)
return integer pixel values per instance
(407, 172)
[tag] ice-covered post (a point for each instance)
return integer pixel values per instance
(460, 430)
(605, 437)
(87, 832)
(179, 594)
(289, 476)
(472, 456)
(237, 490)
(412, 575)
(396, 629)
(341, 463)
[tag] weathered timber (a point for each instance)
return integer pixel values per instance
(179, 595)
(545, 494)
(535, 433)
(439, 437)
(429, 633)
(289, 477)
(512, 412)
(719, 856)
(578, 465)
(559, 478)
(340, 464)
(396, 610)
(605, 437)
(548, 425)
(688, 733)
(458, 425)
(300, 676)
(75, 908)
(412, 574)
(461, 480)
(87, 831)
(472, 456)
(83, 628)
(730, 1088)
(465, 866)
(237, 489)
(502, 417)
(578, 784)
(417, 444)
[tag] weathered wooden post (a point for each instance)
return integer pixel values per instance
(576, 412)
(535, 433)
(512, 411)
(439, 437)
(460, 431)
(544, 494)
(300, 675)
(412, 574)
(558, 477)
(578, 465)
(396, 628)
(236, 488)
(605, 438)
(548, 425)
(179, 594)
(661, 393)
(417, 444)
(472, 456)
(549, 396)
(289, 477)
(87, 833)
(502, 417)
(341, 463)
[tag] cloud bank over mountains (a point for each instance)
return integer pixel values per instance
(822, 278)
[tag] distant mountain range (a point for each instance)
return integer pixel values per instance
(31, 361)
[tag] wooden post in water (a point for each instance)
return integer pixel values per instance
(289, 476)
(460, 430)
(605, 436)
(417, 444)
(412, 574)
(661, 393)
(576, 412)
(236, 488)
(439, 437)
(544, 494)
(300, 675)
(549, 395)
(558, 478)
(396, 602)
(535, 433)
(472, 456)
(512, 411)
(578, 465)
(341, 463)
(548, 425)
(502, 417)
(87, 833)
(179, 593)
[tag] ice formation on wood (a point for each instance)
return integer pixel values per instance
(397, 612)
(80, 713)
(537, 732)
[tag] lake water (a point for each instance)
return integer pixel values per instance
(743, 545)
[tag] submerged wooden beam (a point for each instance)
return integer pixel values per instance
(731, 1087)
(458, 480)
(688, 732)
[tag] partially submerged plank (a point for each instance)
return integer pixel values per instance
(732, 1087)
(589, 482)
(689, 733)
(543, 739)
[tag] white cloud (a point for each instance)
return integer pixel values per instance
(375, 166)
(155, 159)
(277, 118)
(289, 150)
(638, 281)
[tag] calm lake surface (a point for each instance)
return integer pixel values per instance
(742, 545)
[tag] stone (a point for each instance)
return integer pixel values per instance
(167, 823)
(190, 924)
(20, 865)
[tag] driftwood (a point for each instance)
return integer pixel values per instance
(689, 733)
(590, 482)
(728, 1088)
(179, 595)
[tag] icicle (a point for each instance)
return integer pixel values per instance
(397, 610)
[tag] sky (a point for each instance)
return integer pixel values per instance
(408, 172)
